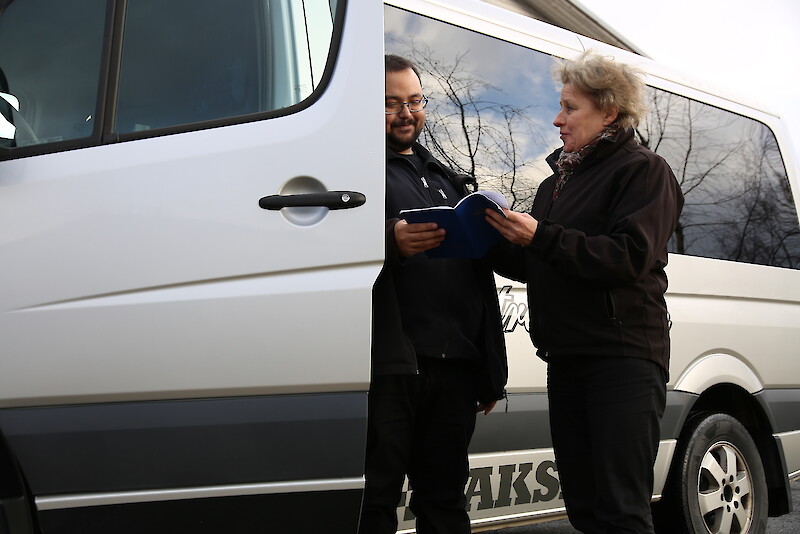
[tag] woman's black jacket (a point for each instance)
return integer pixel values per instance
(595, 267)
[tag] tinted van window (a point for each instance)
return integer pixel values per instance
(739, 206)
(495, 123)
(50, 60)
(182, 62)
(484, 118)
(188, 61)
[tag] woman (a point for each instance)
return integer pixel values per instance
(592, 252)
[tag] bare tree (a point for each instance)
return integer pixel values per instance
(738, 204)
(737, 200)
(475, 136)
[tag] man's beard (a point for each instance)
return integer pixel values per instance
(400, 144)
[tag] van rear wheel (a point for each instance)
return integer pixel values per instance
(718, 484)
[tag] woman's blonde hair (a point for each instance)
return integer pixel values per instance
(608, 83)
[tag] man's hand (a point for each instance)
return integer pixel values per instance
(517, 228)
(485, 408)
(415, 238)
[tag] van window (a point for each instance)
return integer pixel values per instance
(507, 112)
(739, 206)
(182, 62)
(49, 70)
(495, 123)
(188, 61)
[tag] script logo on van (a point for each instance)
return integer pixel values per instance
(7, 128)
(513, 313)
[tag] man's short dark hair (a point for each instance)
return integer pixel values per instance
(398, 63)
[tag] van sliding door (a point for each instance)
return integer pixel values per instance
(176, 358)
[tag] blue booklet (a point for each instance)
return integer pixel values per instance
(468, 233)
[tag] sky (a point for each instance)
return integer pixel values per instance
(748, 47)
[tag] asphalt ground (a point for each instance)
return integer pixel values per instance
(786, 524)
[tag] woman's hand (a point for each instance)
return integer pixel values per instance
(415, 238)
(517, 228)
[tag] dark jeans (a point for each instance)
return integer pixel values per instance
(605, 419)
(420, 425)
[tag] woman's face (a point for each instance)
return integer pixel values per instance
(579, 119)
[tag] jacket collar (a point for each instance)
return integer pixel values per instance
(422, 152)
(419, 150)
(604, 148)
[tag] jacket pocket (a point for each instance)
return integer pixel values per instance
(611, 307)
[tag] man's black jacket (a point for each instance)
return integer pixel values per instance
(434, 291)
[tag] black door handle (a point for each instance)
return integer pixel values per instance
(333, 200)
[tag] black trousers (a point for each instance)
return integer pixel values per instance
(420, 426)
(605, 418)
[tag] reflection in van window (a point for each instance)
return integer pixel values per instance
(507, 113)
(495, 123)
(738, 203)
(188, 61)
(49, 70)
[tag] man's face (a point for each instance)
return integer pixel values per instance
(403, 128)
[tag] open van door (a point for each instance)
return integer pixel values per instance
(191, 222)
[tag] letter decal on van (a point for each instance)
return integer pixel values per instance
(550, 482)
(7, 129)
(518, 483)
(507, 488)
(513, 313)
(480, 484)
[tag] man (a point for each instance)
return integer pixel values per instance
(438, 353)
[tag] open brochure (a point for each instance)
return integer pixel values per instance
(468, 233)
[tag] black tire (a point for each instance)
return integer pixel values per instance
(717, 484)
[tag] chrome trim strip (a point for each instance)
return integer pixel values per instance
(511, 520)
(58, 502)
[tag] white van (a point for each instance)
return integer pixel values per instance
(191, 215)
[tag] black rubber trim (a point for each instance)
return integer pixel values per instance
(782, 407)
(297, 512)
(191, 443)
(526, 423)
(679, 404)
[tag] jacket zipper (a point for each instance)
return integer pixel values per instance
(612, 308)
(430, 194)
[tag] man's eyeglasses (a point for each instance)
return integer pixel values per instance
(414, 106)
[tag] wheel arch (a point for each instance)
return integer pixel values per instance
(718, 368)
(727, 383)
(747, 408)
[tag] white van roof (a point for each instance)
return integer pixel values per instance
(570, 15)
(597, 34)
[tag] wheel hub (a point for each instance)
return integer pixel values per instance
(724, 490)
